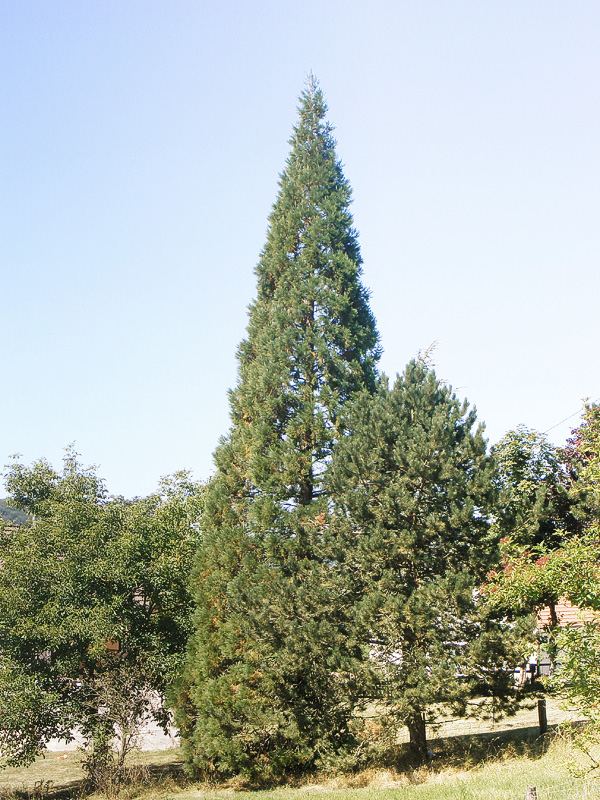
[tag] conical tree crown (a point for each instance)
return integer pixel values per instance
(269, 673)
(311, 339)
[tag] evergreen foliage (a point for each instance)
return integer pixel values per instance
(267, 681)
(412, 484)
(311, 335)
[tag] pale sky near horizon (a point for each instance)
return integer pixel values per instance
(141, 143)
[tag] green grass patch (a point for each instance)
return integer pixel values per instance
(497, 762)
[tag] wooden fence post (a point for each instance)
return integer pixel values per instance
(531, 793)
(542, 718)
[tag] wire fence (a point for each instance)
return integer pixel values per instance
(569, 790)
(450, 727)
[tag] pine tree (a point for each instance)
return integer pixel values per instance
(267, 681)
(413, 492)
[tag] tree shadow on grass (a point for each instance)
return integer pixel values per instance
(468, 751)
(478, 748)
(168, 775)
(462, 752)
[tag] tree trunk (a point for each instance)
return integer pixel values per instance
(553, 614)
(418, 735)
(542, 716)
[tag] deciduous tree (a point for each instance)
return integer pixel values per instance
(535, 505)
(569, 571)
(94, 608)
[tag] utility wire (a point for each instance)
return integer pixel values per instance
(566, 419)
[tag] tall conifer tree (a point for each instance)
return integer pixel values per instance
(411, 481)
(266, 685)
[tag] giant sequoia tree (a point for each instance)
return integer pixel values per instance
(269, 670)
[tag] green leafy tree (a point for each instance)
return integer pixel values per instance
(265, 688)
(569, 571)
(12, 516)
(537, 511)
(413, 486)
(573, 572)
(94, 610)
(535, 504)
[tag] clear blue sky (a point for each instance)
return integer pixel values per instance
(141, 143)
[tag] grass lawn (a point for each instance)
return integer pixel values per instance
(497, 762)
(60, 774)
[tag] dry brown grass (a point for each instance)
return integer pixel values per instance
(473, 747)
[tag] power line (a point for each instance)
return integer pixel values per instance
(566, 419)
